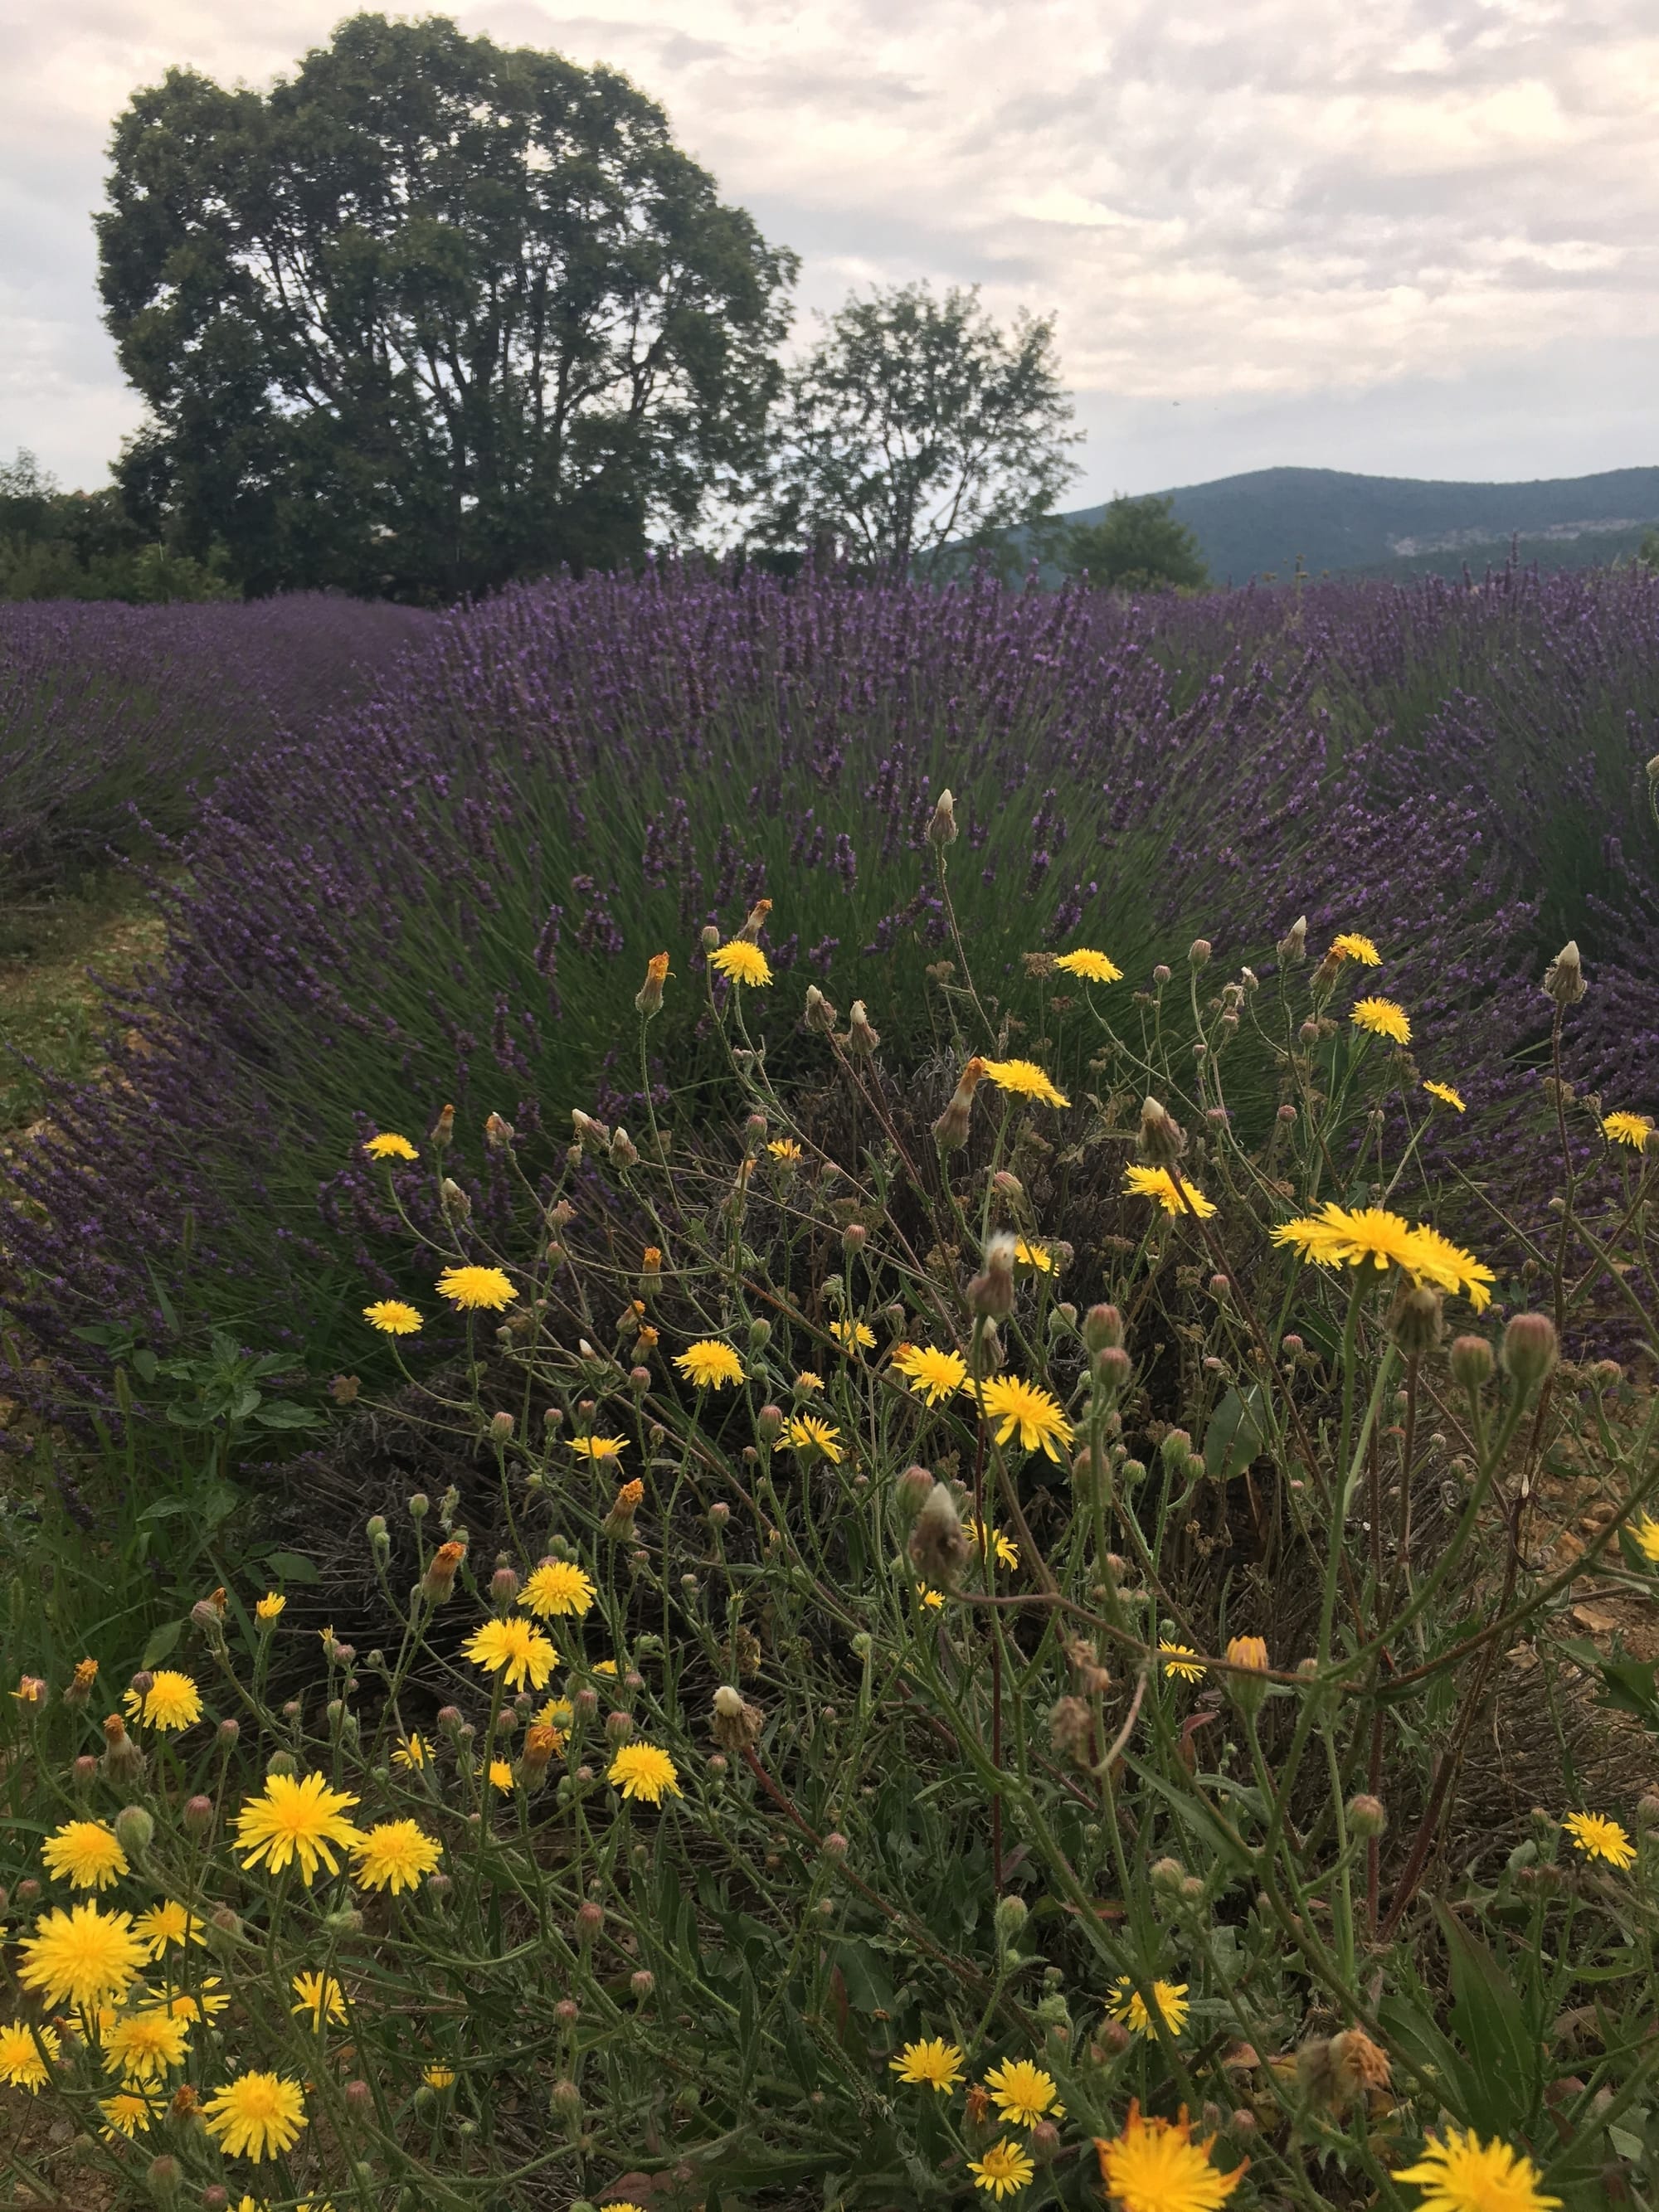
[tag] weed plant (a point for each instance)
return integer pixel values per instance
(950, 1720)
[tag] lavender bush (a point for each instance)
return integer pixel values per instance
(109, 712)
(444, 892)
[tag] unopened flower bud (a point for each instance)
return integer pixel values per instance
(1198, 952)
(1102, 1328)
(1530, 1349)
(501, 1428)
(642, 1982)
(835, 1846)
(567, 2099)
(503, 1588)
(135, 1830)
(1248, 1687)
(1010, 1918)
(914, 1488)
(1167, 1874)
(1416, 1320)
(358, 2100)
(618, 1726)
(1367, 1815)
(1471, 1362)
(84, 1773)
(1114, 1370)
(769, 1424)
(164, 2179)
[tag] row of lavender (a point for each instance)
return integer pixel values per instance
(115, 719)
(448, 890)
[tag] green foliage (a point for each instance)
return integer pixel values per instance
(56, 544)
(1137, 546)
(916, 427)
(430, 314)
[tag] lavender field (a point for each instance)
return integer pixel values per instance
(423, 860)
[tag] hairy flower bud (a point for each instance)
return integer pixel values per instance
(135, 1830)
(1416, 1320)
(1530, 1349)
(1114, 1370)
(1564, 979)
(1471, 1362)
(1367, 1815)
(914, 1486)
(1102, 1328)
(1198, 952)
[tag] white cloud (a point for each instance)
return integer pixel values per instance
(1271, 211)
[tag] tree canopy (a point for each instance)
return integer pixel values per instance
(430, 314)
(1137, 546)
(917, 427)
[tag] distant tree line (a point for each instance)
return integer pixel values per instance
(434, 313)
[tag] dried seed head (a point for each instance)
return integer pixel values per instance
(647, 999)
(942, 823)
(749, 933)
(1564, 979)
(993, 1291)
(820, 1015)
(499, 1132)
(860, 1037)
(443, 1130)
(1293, 945)
(1160, 1140)
(950, 1130)
(938, 1546)
(1071, 1728)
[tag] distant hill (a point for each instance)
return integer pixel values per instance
(1258, 524)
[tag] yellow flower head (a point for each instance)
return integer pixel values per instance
(787, 1150)
(710, 1365)
(640, 1770)
(473, 1288)
(1155, 2165)
(269, 1608)
(171, 1701)
(599, 1451)
(803, 1434)
(742, 962)
(1026, 1080)
(1352, 947)
(1037, 1257)
(933, 1599)
(85, 1854)
(1337, 1237)
(1599, 1837)
(1017, 1407)
(1168, 2002)
(295, 1821)
(388, 1146)
(82, 1956)
(1644, 1533)
(21, 2062)
(392, 1317)
(438, 2077)
(1463, 2174)
(988, 1540)
(499, 1774)
(166, 1924)
(1159, 1185)
(412, 1753)
(321, 1998)
(1382, 1018)
(934, 2064)
(1447, 1096)
(514, 1650)
(809, 1383)
(1023, 2092)
(932, 1375)
(206, 2002)
(1249, 1652)
(1093, 967)
(257, 2116)
(146, 2044)
(1437, 1260)
(1004, 2169)
(394, 1854)
(853, 1334)
(557, 1586)
(1180, 1659)
(127, 2113)
(1631, 1129)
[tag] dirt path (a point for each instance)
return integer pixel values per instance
(49, 1008)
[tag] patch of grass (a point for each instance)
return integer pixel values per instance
(49, 1010)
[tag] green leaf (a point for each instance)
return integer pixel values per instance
(1487, 2017)
(161, 1642)
(284, 1413)
(1237, 1432)
(291, 1567)
(144, 1364)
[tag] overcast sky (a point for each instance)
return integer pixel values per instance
(1412, 237)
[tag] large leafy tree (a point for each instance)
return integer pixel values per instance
(1137, 546)
(918, 427)
(430, 314)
